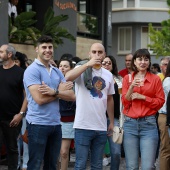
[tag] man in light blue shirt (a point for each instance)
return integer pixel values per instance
(44, 85)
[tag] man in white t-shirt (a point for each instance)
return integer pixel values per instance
(91, 105)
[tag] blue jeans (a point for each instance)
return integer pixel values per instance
(115, 149)
(94, 141)
(140, 135)
(44, 142)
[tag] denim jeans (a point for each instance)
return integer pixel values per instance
(94, 141)
(10, 135)
(115, 149)
(44, 142)
(140, 135)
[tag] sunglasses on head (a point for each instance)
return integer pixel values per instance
(106, 62)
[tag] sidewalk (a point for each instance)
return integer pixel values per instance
(71, 165)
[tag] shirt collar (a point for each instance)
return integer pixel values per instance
(147, 76)
(40, 63)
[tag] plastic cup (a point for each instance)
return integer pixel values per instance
(141, 81)
(120, 90)
(97, 66)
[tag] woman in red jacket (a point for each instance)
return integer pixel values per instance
(142, 97)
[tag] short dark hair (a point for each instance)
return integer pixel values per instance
(66, 59)
(66, 55)
(140, 53)
(22, 58)
(156, 65)
(44, 39)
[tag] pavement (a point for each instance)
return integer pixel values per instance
(72, 161)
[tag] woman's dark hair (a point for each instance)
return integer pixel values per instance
(114, 70)
(67, 56)
(167, 74)
(22, 58)
(138, 54)
(156, 65)
(66, 59)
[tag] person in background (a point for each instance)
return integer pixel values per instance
(127, 70)
(67, 111)
(168, 112)
(68, 56)
(109, 63)
(75, 60)
(163, 66)
(142, 97)
(44, 85)
(93, 97)
(163, 128)
(155, 68)
(28, 62)
(12, 10)
(13, 103)
(20, 61)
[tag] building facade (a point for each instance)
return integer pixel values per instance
(88, 21)
(130, 19)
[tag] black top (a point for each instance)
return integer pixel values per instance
(11, 96)
(116, 98)
(168, 109)
(67, 108)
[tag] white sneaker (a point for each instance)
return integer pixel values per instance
(105, 162)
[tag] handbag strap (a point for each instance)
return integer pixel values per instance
(121, 117)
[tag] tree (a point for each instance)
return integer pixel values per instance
(160, 39)
(22, 30)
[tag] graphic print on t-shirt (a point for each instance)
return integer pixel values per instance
(98, 85)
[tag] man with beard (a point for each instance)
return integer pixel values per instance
(127, 70)
(12, 105)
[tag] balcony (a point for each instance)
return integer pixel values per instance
(87, 25)
(142, 4)
(139, 11)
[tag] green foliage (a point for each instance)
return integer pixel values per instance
(91, 24)
(52, 28)
(160, 39)
(23, 30)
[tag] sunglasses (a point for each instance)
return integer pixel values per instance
(106, 62)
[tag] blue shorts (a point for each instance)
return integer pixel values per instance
(67, 130)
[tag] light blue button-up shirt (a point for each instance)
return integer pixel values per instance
(46, 114)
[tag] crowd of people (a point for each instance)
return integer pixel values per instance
(54, 103)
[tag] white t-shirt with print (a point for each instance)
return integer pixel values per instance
(91, 105)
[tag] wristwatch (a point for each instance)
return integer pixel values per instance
(56, 92)
(22, 113)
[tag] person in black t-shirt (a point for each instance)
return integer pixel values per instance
(12, 105)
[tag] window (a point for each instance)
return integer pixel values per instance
(124, 40)
(145, 40)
